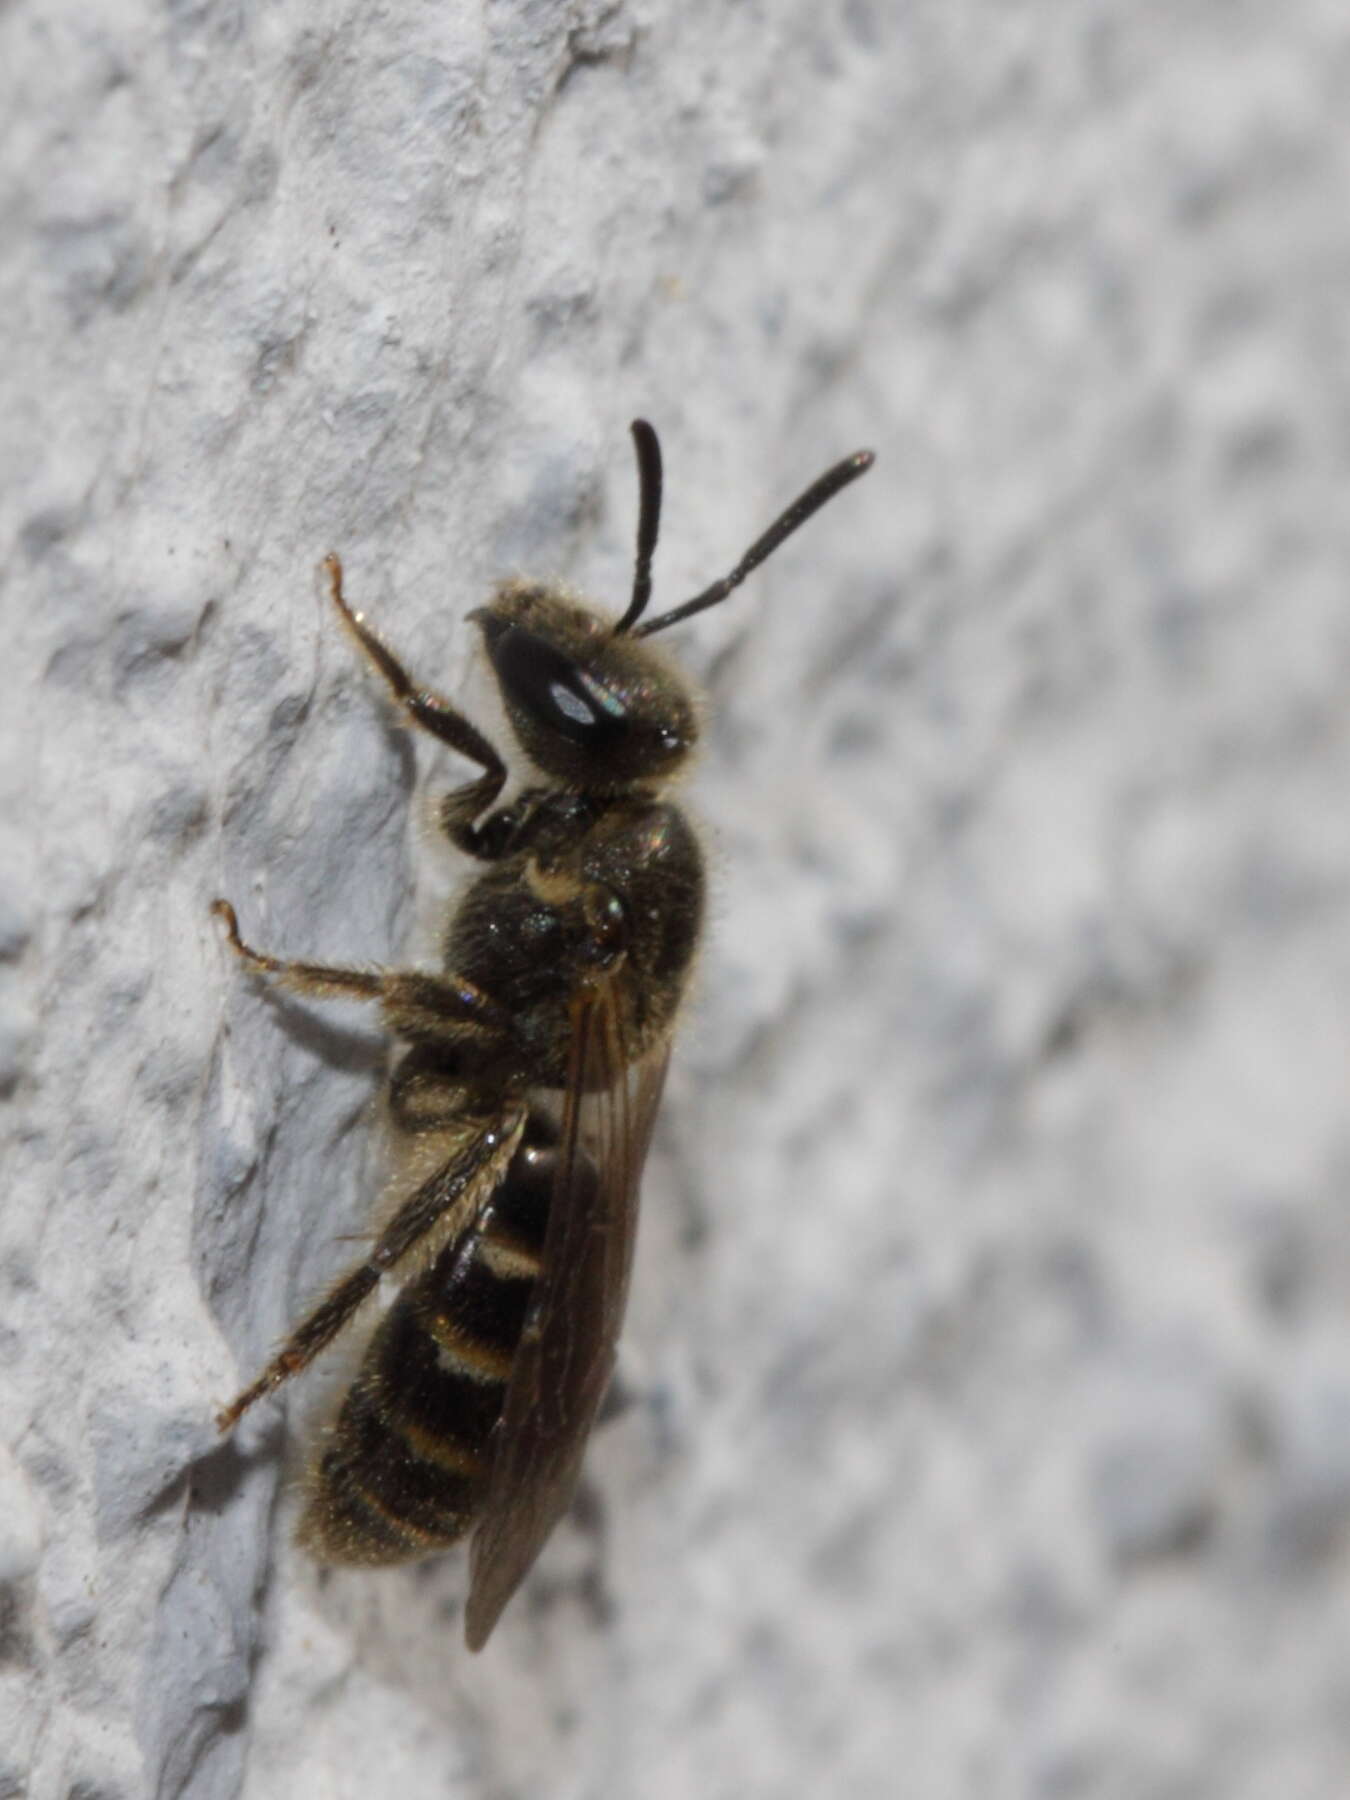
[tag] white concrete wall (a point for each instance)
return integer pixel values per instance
(990, 1347)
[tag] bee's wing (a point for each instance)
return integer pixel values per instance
(566, 1353)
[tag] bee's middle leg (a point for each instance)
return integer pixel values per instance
(415, 1005)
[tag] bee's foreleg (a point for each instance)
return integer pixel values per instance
(432, 712)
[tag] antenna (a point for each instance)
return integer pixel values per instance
(823, 489)
(648, 448)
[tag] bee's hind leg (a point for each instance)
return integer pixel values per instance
(459, 1187)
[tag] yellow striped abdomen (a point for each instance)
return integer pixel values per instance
(404, 1471)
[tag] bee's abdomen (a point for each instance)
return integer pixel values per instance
(405, 1468)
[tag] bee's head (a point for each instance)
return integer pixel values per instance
(591, 708)
(590, 703)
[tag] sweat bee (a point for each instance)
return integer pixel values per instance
(523, 1102)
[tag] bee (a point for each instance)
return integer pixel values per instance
(523, 1102)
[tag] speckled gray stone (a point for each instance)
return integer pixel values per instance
(986, 1395)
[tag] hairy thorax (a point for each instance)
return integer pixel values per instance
(602, 887)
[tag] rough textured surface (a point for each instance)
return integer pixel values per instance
(990, 1352)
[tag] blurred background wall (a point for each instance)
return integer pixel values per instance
(987, 1431)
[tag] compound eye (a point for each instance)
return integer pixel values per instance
(554, 690)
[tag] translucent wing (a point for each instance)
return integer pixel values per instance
(566, 1353)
